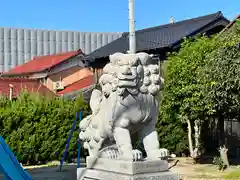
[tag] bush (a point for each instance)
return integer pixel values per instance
(219, 163)
(36, 127)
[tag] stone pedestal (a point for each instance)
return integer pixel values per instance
(107, 169)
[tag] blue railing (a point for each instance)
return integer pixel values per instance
(78, 117)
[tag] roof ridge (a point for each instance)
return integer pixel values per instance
(57, 54)
(217, 15)
(19, 79)
(42, 63)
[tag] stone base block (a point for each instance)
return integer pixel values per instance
(93, 174)
(127, 167)
(108, 169)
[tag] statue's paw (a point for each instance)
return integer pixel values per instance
(110, 154)
(159, 153)
(81, 135)
(86, 145)
(137, 155)
(84, 136)
(85, 123)
(163, 152)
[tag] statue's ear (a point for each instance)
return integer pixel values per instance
(110, 57)
(115, 57)
(144, 58)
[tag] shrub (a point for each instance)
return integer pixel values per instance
(36, 127)
(219, 163)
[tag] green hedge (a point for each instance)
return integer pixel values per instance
(36, 127)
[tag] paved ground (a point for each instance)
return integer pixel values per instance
(52, 173)
(68, 173)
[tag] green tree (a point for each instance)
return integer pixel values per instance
(182, 99)
(201, 81)
(221, 77)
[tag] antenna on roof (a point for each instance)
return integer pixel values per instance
(171, 20)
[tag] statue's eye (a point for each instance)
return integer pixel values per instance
(134, 62)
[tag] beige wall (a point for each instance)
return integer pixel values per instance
(68, 76)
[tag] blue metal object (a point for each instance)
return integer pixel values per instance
(9, 164)
(68, 141)
(79, 144)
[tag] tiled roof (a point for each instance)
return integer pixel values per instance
(81, 84)
(41, 63)
(22, 84)
(160, 36)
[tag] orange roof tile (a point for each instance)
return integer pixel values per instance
(41, 63)
(82, 83)
(20, 84)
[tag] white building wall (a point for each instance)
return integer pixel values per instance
(18, 46)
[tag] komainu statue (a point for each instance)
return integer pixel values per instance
(125, 105)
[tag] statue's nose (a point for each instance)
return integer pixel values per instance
(126, 71)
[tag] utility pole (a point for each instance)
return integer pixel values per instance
(132, 35)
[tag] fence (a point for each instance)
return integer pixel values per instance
(212, 131)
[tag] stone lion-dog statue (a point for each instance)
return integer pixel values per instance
(125, 105)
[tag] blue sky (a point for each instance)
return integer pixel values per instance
(106, 15)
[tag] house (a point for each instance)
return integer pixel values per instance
(161, 39)
(62, 73)
(12, 87)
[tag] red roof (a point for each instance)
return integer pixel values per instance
(22, 84)
(41, 63)
(82, 83)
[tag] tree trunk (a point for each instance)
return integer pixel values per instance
(224, 155)
(197, 133)
(221, 130)
(190, 137)
(223, 144)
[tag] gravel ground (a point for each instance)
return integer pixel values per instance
(187, 170)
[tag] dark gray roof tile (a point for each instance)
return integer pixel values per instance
(159, 36)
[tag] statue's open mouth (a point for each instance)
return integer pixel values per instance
(126, 77)
(106, 94)
(127, 83)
